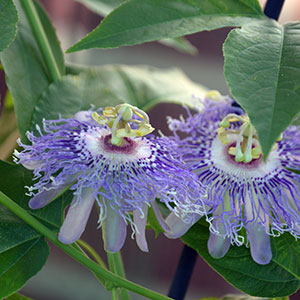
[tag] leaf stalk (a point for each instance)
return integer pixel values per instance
(41, 38)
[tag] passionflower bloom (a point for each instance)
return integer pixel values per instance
(106, 158)
(245, 194)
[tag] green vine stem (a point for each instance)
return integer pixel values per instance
(81, 258)
(114, 294)
(92, 252)
(41, 38)
(116, 266)
(104, 282)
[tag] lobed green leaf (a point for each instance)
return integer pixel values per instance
(262, 69)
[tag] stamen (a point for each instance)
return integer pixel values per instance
(243, 151)
(120, 118)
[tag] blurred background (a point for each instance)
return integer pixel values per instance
(64, 279)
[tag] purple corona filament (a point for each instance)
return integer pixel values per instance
(106, 158)
(243, 191)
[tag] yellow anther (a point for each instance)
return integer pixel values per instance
(232, 151)
(222, 135)
(139, 115)
(213, 95)
(275, 147)
(280, 138)
(99, 119)
(225, 123)
(145, 129)
(256, 152)
(110, 123)
(109, 112)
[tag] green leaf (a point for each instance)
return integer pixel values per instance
(26, 75)
(142, 86)
(136, 22)
(20, 263)
(13, 231)
(8, 23)
(243, 297)
(22, 252)
(104, 7)
(276, 279)
(14, 178)
(17, 296)
(153, 223)
(286, 250)
(111, 85)
(262, 69)
(296, 121)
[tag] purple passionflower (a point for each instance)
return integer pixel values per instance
(243, 191)
(107, 158)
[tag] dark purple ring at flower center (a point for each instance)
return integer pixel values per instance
(251, 165)
(127, 146)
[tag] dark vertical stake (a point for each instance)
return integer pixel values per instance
(183, 273)
(273, 8)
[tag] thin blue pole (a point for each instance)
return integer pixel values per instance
(273, 8)
(183, 273)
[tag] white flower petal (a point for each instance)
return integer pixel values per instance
(45, 196)
(218, 245)
(260, 244)
(113, 230)
(159, 217)
(177, 226)
(140, 220)
(77, 216)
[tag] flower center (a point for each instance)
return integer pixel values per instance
(127, 146)
(126, 121)
(246, 149)
(231, 157)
